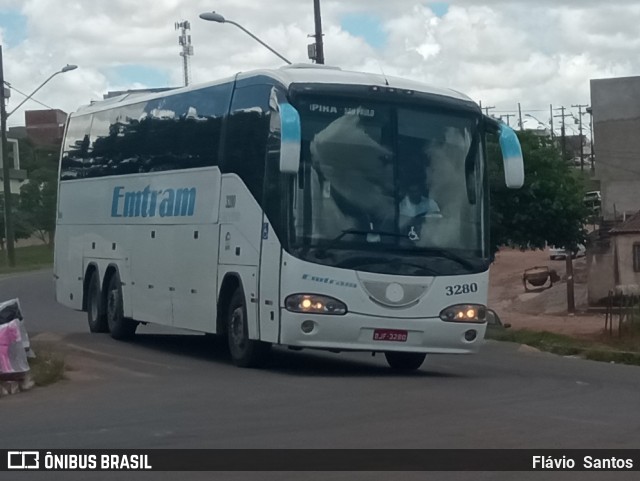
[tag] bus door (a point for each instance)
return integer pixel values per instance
(270, 247)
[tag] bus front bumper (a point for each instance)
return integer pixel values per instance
(358, 332)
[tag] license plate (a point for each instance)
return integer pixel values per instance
(390, 335)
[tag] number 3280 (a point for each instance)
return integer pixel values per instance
(458, 289)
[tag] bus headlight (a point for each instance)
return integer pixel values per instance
(314, 304)
(464, 313)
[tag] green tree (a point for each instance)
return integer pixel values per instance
(20, 228)
(34, 157)
(549, 208)
(36, 205)
(38, 200)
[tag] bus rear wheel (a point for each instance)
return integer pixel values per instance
(405, 361)
(96, 316)
(120, 327)
(244, 352)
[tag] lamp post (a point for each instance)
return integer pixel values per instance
(536, 119)
(6, 169)
(216, 17)
(319, 46)
(64, 69)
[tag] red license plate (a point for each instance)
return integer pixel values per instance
(390, 335)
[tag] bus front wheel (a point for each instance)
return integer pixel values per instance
(120, 327)
(95, 313)
(244, 352)
(405, 361)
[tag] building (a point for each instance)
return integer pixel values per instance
(16, 176)
(616, 122)
(615, 106)
(626, 247)
(45, 128)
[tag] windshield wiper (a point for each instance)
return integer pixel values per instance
(363, 261)
(367, 232)
(322, 251)
(447, 254)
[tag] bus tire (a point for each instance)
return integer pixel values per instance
(96, 316)
(244, 352)
(120, 327)
(405, 361)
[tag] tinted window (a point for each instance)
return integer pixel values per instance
(183, 131)
(247, 133)
(180, 131)
(76, 147)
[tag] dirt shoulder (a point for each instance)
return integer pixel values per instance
(542, 310)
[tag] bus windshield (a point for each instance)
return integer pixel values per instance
(397, 189)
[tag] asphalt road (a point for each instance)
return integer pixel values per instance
(171, 390)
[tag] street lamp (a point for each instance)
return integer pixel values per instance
(216, 17)
(536, 119)
(64, 69)
(8, 219)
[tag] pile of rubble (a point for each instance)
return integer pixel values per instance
(15, 350)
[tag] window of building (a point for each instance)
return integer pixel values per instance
(636, 257)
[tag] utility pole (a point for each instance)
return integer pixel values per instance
(590, 112)
(551, 120)
(486, 110)
(571, 304)
(562, 132)
(520, 116)
(508, 116)
(581, 139)
(184, 41)
(318, 54)
(6, 172)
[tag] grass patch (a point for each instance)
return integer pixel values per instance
(605, 349)
(27, 259)
(47, 368)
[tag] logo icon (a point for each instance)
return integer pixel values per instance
(413, 235)
(23, 460)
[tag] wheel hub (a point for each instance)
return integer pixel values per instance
(237, 329)
(112, 302)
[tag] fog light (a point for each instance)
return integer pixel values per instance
(308, 326)
(471, 335)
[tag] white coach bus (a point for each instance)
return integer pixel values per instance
(305, 206)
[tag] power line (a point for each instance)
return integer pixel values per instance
(508, 116)
(562, 131)
(26, 95)
(486, 109)
(580, 113)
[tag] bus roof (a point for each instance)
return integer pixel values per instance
(286, 75)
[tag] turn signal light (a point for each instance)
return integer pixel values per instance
(464, 313)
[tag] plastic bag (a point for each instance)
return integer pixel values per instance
(13, 356)
(9, 311)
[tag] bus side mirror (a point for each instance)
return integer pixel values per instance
(291, 139)
(512, 157)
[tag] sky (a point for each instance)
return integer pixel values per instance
(500, 53)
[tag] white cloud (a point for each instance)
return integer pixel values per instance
(498, 51)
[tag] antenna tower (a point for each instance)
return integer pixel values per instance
(184, 40)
